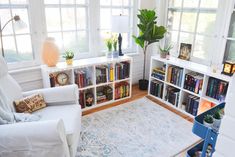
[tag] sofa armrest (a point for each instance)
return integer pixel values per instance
(29, 136)
(58, 95)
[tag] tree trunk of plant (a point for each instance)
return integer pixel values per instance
(145, 50)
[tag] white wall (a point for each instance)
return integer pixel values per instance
(31, 79)
(226, 140)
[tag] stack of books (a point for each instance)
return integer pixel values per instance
(156, 88)
(191, 105)
(122, 90)
(217, 89)
(175, 75)
(193, 82)
(172, 95)
(104, 93)
(82, 78)
(122, 70)
(159, 73)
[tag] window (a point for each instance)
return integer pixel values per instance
(230, 45)
(66, 21)
(74, 24)
(17, 44)
(108, 8)
(193, 22)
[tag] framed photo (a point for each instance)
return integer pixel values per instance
(185, 51)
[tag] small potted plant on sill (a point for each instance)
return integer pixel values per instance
(208, 121)
(115, 52)
(109, 45)
(217, 119)
(69, 55)
(165, 52)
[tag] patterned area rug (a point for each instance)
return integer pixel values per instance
(136, 129)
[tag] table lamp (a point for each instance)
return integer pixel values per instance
(120, 24)
(19, 24)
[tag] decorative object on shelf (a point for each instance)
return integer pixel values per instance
(50, 52)
(115, 52)
(208, 121)
(150, 33)
(69, 55)
(62, 78)
(217, 119)
(229, 68)
(165, 51)
(185, 51)
(89, 99)
(120, 24)
(18, 24)
(109, 45)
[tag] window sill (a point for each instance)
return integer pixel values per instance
(14, 71)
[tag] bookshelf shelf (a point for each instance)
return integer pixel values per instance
(84, 73)
(187, 80)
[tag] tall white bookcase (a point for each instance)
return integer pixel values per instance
(187, 67)
(91, 65)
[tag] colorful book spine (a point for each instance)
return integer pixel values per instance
(122, 90)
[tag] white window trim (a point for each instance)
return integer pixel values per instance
(37, 21)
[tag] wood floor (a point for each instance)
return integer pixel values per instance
(137, 94)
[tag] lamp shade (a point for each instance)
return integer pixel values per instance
(120, 24)
(19, 24)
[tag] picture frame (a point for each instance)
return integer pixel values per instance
(185, 51)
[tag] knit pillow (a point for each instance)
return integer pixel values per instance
(30, 104)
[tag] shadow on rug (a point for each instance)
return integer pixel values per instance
(135, 129)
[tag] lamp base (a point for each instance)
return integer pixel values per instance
(120, 44)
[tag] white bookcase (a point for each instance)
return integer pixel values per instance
(187, 67)
(90, 65)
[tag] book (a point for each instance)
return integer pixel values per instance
(172, 95)
(193, 82)
(122, 90)
(175, 75)
(156, 88)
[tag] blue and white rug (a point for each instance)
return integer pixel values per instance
(136, 129)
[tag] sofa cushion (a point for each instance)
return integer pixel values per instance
(71, 116)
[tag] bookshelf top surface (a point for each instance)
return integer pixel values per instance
(193, 66)
(85, 63)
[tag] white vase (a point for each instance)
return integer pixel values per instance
(209, 125)
(109, 54)
(216, 124)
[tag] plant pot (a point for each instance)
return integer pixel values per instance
(143, 84)
(167, 57)
(216, 124)
(109, 54)
(69, 61)
(115, 54)
(163, 55)
(209, 125)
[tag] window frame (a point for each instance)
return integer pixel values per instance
(197, 10)
(37, 22)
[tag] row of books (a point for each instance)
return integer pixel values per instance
(172, 95)
(159, 73)
(86, 98)
(193, 82)
(156, 88)
(122, 70)
(122, 90)
(192, 104)
(101, 74)
(175, 75)
(217, 89)
(82, 78)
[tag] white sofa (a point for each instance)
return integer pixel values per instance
(56, 134)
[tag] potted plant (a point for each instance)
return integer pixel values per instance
(109, 45)
(217, 119)
(208, 120)
(69, 55)
(115, 52)
(165, 51)
(149, 32)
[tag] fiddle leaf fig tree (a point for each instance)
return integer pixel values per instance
(149, 31)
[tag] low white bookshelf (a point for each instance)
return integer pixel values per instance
(181, 90)
(117, 82)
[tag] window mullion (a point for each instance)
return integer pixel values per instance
(61, 25)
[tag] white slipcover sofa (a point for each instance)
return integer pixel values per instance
(56, 134)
